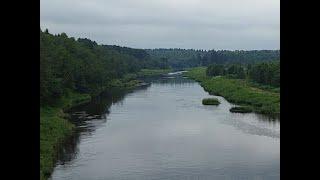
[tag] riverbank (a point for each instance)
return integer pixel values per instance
(153, 72)
(54, 123)
(54, 127)
(238, 91)
(167, 116)
(145, 73)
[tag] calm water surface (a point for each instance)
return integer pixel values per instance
(164, 132)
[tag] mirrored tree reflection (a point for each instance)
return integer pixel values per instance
(87, 118)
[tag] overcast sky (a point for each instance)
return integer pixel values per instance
(197, 24)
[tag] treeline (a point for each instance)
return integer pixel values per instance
(266, 73)
(239, 56)
(178, 58)
(186, 58)
(84, 66)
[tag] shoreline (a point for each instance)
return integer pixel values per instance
(238, 92)
(55, 126)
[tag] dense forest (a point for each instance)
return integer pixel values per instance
(84, 66)
(186, 58)
(266, 73)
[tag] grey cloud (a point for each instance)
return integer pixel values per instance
(202, 24)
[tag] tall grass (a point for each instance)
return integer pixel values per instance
(238, 91)
(54, 128)
(153, 72)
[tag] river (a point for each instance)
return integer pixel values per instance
(164, 132)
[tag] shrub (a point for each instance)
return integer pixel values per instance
(210, 101)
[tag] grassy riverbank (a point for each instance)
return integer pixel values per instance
(54, 123)
(152, 72)
(54, 127)
(239, 92)
(145, 73)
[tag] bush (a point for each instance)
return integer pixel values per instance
(210, 101)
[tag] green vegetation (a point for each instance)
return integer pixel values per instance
(241, 109)
(187, 58)
(153, 72)
(210, 101)
(124, 83)
(238, 91)
(54, 127)
(71, 72)
(265, 75)
(84, 66)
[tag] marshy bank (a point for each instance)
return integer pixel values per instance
(239, 92)
(55, 128)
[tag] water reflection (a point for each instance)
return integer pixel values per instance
(87, 118)
(164, 132)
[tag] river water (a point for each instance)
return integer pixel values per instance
(164, 132)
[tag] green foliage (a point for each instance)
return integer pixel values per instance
(266, 73)
(54, 127)
(233, 70)
(210, 101)
(177, 58)
(84, 66)
(239, 92)
(187, 58)
(152, 72)
(239, 56)
(215, 70)
(264, 87)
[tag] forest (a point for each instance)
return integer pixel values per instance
(186, 58)
(84, 66)
(265, 73)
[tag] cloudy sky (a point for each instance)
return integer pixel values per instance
(197, 24)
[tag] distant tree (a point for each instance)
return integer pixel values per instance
(215, 70)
